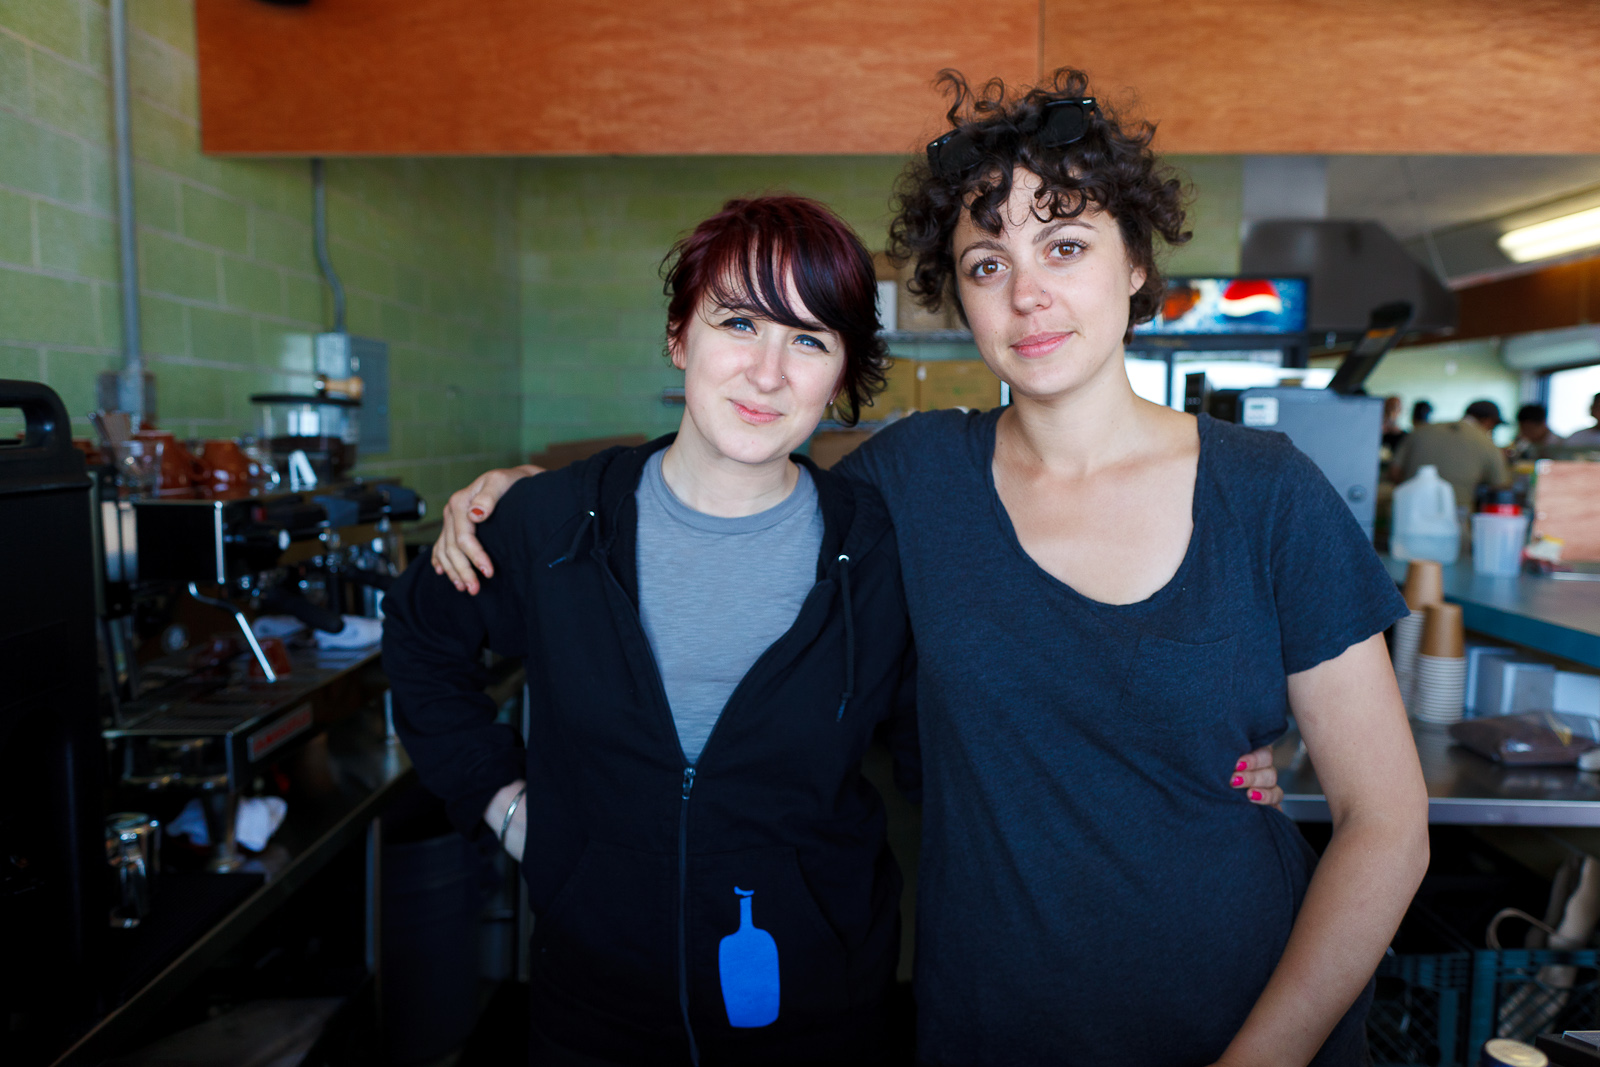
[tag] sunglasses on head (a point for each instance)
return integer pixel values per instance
(1065, 122)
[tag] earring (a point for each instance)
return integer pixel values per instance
(783, 377)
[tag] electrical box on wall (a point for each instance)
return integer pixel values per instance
(341, 356)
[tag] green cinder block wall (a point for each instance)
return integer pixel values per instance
(594, 231)
(230, 292)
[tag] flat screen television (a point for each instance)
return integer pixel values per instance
(1229, 307)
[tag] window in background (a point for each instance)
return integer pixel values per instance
(1148, 378)
(1571, 393)
(1244, 374)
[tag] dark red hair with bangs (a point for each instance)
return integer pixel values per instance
(742, 258)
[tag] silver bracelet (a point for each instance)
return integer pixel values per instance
(511, 810)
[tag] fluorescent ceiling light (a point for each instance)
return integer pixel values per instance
(1545, 239)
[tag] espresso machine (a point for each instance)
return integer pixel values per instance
(204, 713)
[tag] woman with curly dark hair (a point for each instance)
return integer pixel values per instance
(1147, 592)
(1110, 598)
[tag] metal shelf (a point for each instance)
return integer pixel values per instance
(1464, 788)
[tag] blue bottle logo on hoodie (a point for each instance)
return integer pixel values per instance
(748, 961)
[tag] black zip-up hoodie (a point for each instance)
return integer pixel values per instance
(640, 867)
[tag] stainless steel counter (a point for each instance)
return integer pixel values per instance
(1464, 788)
(1555, 616)
(343, 779)
(1559, 616)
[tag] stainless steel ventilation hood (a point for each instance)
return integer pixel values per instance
(1354, 266)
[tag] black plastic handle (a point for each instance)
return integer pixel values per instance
(45, 457)
(48, 425)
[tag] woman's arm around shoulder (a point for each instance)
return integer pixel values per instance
(458, 555)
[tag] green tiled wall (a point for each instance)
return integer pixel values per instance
(594, 230)
(230, 292)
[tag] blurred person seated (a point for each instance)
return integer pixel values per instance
(1535, 439)
(1393, 434)
(1421, 412)
(1463, 452)
(1589, 438)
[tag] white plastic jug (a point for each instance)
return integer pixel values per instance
(1425, 525)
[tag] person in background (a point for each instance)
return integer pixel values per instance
(1421, 412)
(1462, 452)
(1393, 434)
(1535, 439)
(1589, 438)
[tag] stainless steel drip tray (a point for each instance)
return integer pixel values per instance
(252, 718)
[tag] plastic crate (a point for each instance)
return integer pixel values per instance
(1519, 993)
(1420, 1012)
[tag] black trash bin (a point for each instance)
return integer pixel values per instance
(431, 902)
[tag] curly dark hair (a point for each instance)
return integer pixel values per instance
(1112, 167)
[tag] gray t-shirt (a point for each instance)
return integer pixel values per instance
(715, 593)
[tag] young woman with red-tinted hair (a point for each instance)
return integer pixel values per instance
(712, 633)
(713, 630)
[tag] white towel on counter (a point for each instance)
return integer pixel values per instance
(279, 626)
(358, 632)
(258, 819)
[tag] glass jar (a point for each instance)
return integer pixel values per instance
(325, 428)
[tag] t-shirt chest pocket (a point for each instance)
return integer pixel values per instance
(1181, 688)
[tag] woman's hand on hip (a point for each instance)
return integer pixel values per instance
(1253, 772)
(458, 552)
(516, 831)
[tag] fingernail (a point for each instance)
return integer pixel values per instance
(477, 513)
(1255, 794)
(1238, 779)
(1244, 765)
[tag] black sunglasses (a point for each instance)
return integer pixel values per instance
(1065, 122)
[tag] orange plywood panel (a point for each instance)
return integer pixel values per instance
(1323, 76)
(594, 76)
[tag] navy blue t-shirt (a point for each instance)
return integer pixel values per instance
(1091, 890)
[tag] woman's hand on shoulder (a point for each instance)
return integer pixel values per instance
(457, 551)
(1254, 773)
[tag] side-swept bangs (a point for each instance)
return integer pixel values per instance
(742, 259)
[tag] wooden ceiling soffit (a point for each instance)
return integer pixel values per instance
(1552, 298)
(1343, 76)
(577, 77)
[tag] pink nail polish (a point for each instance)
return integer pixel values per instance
(1244, 765)
(1255, 794)
(1238, 779)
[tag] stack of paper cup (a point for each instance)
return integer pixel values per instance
(1441, 681)
(1424, 586)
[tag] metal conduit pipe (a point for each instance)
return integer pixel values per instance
(130, 385)
(319, 233)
